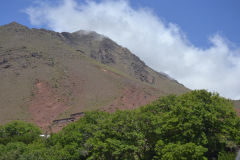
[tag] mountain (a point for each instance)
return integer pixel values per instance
(46, 75)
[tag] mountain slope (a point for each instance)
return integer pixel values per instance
(47, 75)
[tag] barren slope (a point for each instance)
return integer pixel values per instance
(47, 75)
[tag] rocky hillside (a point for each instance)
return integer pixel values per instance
(46, 75)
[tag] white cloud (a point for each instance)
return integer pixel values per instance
(162, 46)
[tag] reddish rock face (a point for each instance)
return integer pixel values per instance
(46, 105)
(132, 97)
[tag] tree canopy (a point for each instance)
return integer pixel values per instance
(197, 125)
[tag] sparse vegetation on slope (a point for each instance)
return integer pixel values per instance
(195, 126)
(79, 71)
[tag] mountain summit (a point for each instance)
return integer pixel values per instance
(46, 75)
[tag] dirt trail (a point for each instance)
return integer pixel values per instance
(46, 105)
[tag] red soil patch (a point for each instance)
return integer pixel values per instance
(46, 105)
(132, 97)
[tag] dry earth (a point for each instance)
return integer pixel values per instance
(46, 105)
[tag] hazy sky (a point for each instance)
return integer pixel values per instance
(195, 42)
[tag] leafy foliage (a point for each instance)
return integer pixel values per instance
(195, 126)
(226, 156)
(199, 117)
(186, 151)
(18, 131)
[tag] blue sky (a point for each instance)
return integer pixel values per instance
(198, 19)
(195, 42)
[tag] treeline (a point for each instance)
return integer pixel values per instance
(195, 126)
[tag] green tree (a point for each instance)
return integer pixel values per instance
(198, 117)
(227, 156)
(18, 131)
(172, 151)
(119, 137)
(12, 151)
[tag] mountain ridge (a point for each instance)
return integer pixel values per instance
(49, 75)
